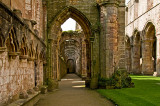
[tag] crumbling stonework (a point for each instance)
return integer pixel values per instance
(142, 24)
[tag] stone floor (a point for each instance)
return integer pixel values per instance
(72, 92)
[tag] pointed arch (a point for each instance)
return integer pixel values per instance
(11, 42)
(37, 52)
(24, 47)
(1, 41)
(149, 49)
(77, 15)
(150, 30)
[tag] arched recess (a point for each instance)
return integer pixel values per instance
(11, 41)
(55, 26)
(31, 51)
(128, 53)
(149, 49)
(2, 39)
(24, 47)
(136, 67)
(37, 52)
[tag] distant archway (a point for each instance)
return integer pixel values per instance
(70, 66)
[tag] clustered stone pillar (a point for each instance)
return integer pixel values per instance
(84, 60)
(108, 38)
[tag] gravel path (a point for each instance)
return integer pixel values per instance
(73, 93)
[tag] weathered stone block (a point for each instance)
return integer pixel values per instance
(23, 95)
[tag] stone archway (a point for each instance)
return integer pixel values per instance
(55, 36)
(149, 50)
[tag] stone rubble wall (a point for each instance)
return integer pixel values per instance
(15, 76)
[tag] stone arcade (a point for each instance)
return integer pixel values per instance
(142, 37)
(34, 50)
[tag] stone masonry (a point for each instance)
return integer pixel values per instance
(34, 51)
(142, 30)
(21, 49)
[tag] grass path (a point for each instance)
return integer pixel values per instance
(145, 93)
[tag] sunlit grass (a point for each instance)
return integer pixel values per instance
(145, 93)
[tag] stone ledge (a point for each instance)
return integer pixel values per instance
(30, 101)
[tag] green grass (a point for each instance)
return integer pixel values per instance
(145, 93)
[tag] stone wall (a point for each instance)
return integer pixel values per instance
(62, 67)
(21, 55)
(30, 10)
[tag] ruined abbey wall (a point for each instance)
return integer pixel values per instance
(21, 55)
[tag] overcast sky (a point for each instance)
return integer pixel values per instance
(70, 24)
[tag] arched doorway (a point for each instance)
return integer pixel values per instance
(70, 66)
(149, 50)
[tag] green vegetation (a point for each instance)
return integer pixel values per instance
(145, 93)
(71, 33)
(120, 79)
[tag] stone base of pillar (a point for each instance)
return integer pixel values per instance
(137, 73)
(84, 77)
(52, 85)
(155, 74)
(94, 83)
(23, 95)
(147, 73)
(87, 82)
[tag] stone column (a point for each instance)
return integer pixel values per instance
(128, 59)
(55, 59)
(84, 60)
(50, 60)
(158, 55)
(121, 34)
(147, 57)
(108, 38)
(136, 59)
(94, 76)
